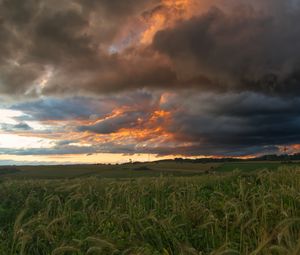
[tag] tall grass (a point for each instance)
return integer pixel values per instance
(252, 214)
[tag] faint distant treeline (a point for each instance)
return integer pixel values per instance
(273, 157)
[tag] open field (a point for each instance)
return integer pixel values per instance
(133, 170)
(228, 212)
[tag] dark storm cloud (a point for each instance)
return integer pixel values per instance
(235, 124)
(63, 109)
(252, 46)
(84, 108)
(245, 50)
(72, 39)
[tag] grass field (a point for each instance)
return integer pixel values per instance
(152, 169)
(227, 208)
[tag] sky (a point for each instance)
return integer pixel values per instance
(108, 81)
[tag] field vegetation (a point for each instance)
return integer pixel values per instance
(230, 212)
(133, 170)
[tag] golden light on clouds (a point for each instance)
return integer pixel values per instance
(165, 16)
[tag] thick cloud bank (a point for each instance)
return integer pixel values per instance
(95, 46)
(162, 76)
(231, 124)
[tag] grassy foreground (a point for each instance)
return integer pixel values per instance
(255, 213)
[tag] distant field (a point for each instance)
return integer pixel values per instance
(136, 169)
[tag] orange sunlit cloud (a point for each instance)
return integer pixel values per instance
(165, 16)
(150, 129)
(290, 149)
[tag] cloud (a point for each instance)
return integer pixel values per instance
(71, 38)
(236, 123)
(63, 108)
(209, 78)
(168, 123)
(113, 124)
(244, 50)
(64, 47)
(84, 108)
(22, 126)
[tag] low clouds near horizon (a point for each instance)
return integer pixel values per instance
(166, 77)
